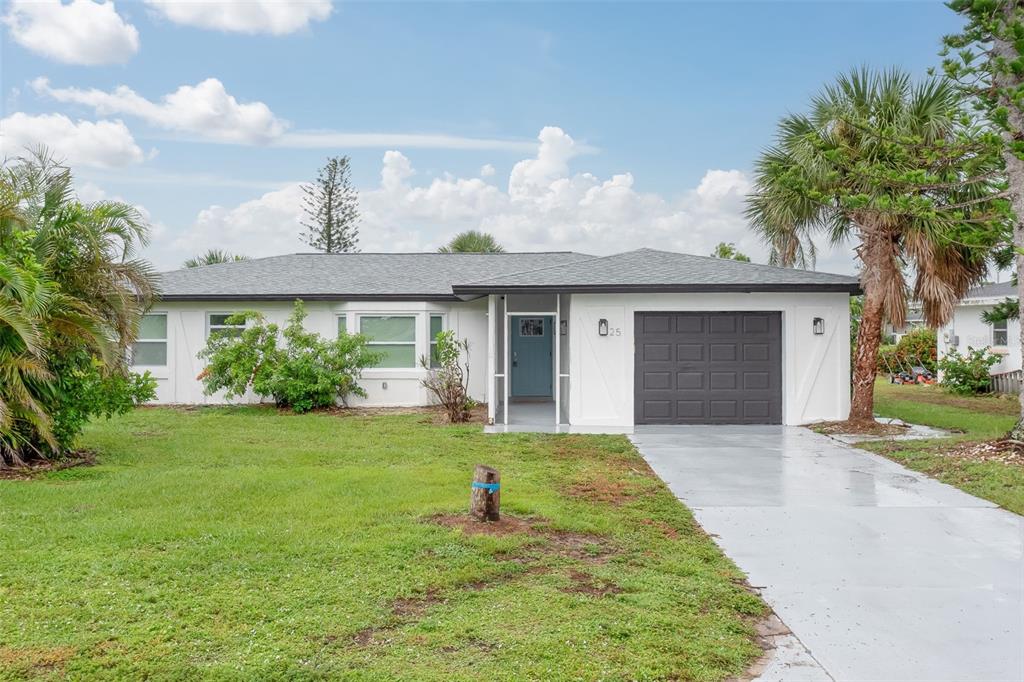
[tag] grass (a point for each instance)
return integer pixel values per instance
(242, 543)
(975, 418)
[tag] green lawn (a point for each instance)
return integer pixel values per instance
(978, 418)
(243, 543)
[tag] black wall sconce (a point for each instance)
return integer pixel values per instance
(563, 327)
(602, 327)
(819, 326)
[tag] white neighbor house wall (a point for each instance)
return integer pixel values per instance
(816, 369)
(187, 332)
(973, 333)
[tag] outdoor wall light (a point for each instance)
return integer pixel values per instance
(602, 327)
(563, 327)
(819, 326)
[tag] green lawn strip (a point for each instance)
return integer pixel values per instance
(240, 542)
(979, 419)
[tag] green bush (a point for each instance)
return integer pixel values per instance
(968, 374)
(917, 348)
(309, 372)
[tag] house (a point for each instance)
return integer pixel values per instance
(643, 337)
(968, 330)
(914, 320)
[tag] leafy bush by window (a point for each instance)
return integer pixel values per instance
(447, 379)
(968, 374)
(916, 348)
(307, 373)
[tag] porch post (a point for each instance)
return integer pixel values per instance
(505, 380)
(556, 336)
(491, 360)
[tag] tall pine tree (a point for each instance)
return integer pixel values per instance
(331, 205)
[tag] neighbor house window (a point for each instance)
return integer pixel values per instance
(392, 335)
(150, 350)
(436, 327)
(999, 336)
(218, 325)
(342, 324)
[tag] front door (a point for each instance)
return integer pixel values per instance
(532, 359)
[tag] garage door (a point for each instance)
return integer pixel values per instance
(708, 368)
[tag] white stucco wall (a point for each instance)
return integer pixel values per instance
(971, 332)
(816, 369)
(187, 332)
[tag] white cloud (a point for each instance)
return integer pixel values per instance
(487, 171)
(79, 32)
(276, 17)
(101, 144)
(205, 109)
(545, 207)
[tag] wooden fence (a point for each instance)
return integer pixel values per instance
(1007, 382)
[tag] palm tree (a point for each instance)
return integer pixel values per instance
(897, 169)
(728, 251)
(69, 281)
(472, 241)
(214, 257)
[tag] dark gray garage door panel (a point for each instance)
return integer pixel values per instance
(708, 368)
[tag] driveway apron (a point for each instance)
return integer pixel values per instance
(881, 572)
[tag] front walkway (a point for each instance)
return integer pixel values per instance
(881, 572)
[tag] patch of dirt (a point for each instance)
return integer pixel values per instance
(1003, 451)
(604, 490)
(414, 607)
(35, 660)
(670, 532)
(507, 525)
(562, 543)
(82, 458)
(863, 427)
(582, 583)
(769, 630)
(365, 637)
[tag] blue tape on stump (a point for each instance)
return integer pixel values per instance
(489, 487)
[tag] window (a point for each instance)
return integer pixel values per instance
(218, 324)
(394, 336)
(342, 325)
(531, 326)
(999, 336)
(436, 327)
(150, 350)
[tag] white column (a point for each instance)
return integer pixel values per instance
(491, 360)
(505, 379)
(557, 340)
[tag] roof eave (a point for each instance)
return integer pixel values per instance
(852, 288)
(308, 297)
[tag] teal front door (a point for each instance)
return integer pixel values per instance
(532, 356)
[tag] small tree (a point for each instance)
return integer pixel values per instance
(728, 251)
(213, 257)
(447, 379)
(968, 374)
(331, 205)
(472, 241)
(308, 373)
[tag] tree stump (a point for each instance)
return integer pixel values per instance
(485, 496)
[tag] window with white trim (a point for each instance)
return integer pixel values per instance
(342, 324)
(217, 325)
(392, 335)
(999, 333)
(436, 327)
(150, 349)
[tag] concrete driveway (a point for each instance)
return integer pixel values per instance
(881, 572)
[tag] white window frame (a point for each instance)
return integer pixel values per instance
(430, 340)
(211, 327)
(1005, 330)
(165, 340)
(417, 318)
(337, 318)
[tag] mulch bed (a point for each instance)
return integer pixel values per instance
(867, 428)
(34, 468)
(1002, 451)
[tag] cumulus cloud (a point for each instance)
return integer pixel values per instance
(100, 144)
(205, 109)
(543, 207)
(487, 171)
(276, 17)
(79, 32)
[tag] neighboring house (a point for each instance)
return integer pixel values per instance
(643, 337)
(914, 320)
(967, 330)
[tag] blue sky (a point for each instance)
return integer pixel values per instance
(655, 112)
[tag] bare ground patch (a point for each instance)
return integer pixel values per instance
(866, 427)
(35, 660)
(584, 583)
(1003, 451)
(604, 490)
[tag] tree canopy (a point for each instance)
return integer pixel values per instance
(472, 241)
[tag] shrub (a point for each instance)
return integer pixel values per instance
(309, 372)
(449, 380)
(916, 348)
(968, 374)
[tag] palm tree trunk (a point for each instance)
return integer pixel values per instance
(876, 256)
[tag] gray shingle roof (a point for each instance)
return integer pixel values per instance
(651, 270)
(997, 290)
(312, 276)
